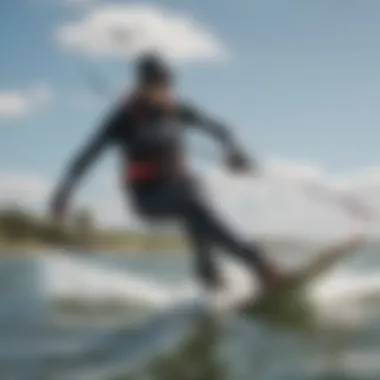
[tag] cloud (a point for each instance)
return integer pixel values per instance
(13, 104)
(123, 31)
(290, 199)
(19, 103)
(24, 188)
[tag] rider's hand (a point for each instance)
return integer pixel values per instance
(237, 162)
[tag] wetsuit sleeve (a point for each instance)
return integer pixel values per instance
(212, 126)
(90, 152)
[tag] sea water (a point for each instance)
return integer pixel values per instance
(126, 316)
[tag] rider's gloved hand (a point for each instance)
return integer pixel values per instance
(237, 162)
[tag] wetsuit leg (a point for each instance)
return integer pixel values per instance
(183, 201)
(205, 264)
(202, 218)
(172, 201)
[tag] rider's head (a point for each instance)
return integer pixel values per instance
(154, 76)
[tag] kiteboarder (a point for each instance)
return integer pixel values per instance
(148, 128)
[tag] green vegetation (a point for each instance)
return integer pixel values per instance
(27, 231)
(20, 229)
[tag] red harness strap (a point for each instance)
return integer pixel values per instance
(142, 171)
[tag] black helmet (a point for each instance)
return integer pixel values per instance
(151, 69)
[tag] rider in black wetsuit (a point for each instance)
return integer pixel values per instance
(148, 129)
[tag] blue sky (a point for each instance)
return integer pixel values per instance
(301, 81)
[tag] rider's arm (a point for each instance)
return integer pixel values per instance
(212, 126)
(81, 162)
(235, 155)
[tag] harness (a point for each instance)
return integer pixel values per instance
(148, 169)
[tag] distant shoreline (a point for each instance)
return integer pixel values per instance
(138, 245)
(37, 247)
(23, 231)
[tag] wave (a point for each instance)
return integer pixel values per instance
(68, 277)
(73, 281)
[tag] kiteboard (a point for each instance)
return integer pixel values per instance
(286, 302)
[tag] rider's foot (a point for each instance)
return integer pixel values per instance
(273, 278)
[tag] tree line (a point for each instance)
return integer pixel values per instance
(22, 227)
(19, 225)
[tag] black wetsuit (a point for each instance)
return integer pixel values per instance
(150, 140)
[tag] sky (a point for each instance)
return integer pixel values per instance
(297, 81)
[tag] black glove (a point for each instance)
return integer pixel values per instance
(238, 162)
